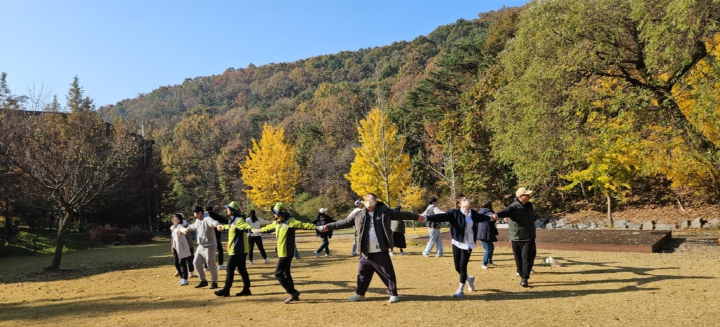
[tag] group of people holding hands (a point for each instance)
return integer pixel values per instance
(373, 238)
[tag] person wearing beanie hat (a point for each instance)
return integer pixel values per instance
(237, 250)
(323, 219)
(520, 216)
(207, 245)
(284, 228)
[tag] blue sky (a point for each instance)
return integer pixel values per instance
(122, 49)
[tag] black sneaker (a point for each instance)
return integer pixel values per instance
(202, 283)
(524, 282)
(291, 298)
(213, 285)
(222, 292)
(244, 293)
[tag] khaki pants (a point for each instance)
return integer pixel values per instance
(206, 255)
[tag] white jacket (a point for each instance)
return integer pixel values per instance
(179, 242)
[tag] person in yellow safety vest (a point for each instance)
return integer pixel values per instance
(284, 228)
(237, 250)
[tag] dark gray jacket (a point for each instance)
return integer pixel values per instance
(357, 219)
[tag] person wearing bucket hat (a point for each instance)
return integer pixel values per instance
(237, 250)
(323, 219)
(520, 216)
(284, 228)
(206, 245)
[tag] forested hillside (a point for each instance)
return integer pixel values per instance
(591, 104)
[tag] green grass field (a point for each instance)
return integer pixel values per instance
(134, 286)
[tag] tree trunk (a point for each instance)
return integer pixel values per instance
(59, 241)
(609, 209)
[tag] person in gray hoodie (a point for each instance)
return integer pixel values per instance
(206, 245)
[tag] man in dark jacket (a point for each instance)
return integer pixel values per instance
(323, 219)
(374, 237)
(520, 216)
(218, 235)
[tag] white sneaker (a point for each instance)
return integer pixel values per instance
(394, 299)
(180, 281)
(317, 255)
(251, 263)
(426, 255)
(267, 260)
(392, 254)
(328, 255)
(459, 294)
(192, 275)
(439, 256)
(207, 269)
(471, 283)
(356, 298)
(222, 267)
(353, 254)
(518, 274)
(183, 282)
(403, 253)
(532, 271)
(484, 266)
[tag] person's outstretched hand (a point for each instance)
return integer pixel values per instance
(219, 228)
(507, 220)
(422, 218)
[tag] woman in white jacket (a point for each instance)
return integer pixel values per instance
(180, 248)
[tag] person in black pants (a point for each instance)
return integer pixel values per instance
(463, 229)
(323, 219)
(218, 235)
(374, 238)
(255, 238)
(520, 216)
(237, 251)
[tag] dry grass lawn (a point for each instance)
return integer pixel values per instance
(134, 286)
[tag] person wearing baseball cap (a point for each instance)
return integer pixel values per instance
(284, 228)
(520, 216)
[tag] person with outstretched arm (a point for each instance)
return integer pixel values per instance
(237, 250)
(323, 219)
(255, 238)
(374, 237)
(463, 229)
(434, 237)
(284, 228)
(218, 235)
(520, 216)
(206, 245)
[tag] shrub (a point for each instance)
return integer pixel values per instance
(137, 236)
(105, 235)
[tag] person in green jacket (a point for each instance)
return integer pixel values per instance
(237, 250)
(520, 216)
(284, 228)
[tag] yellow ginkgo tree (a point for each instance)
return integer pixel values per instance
(270, 170)
(612, 161)
(380, 165)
